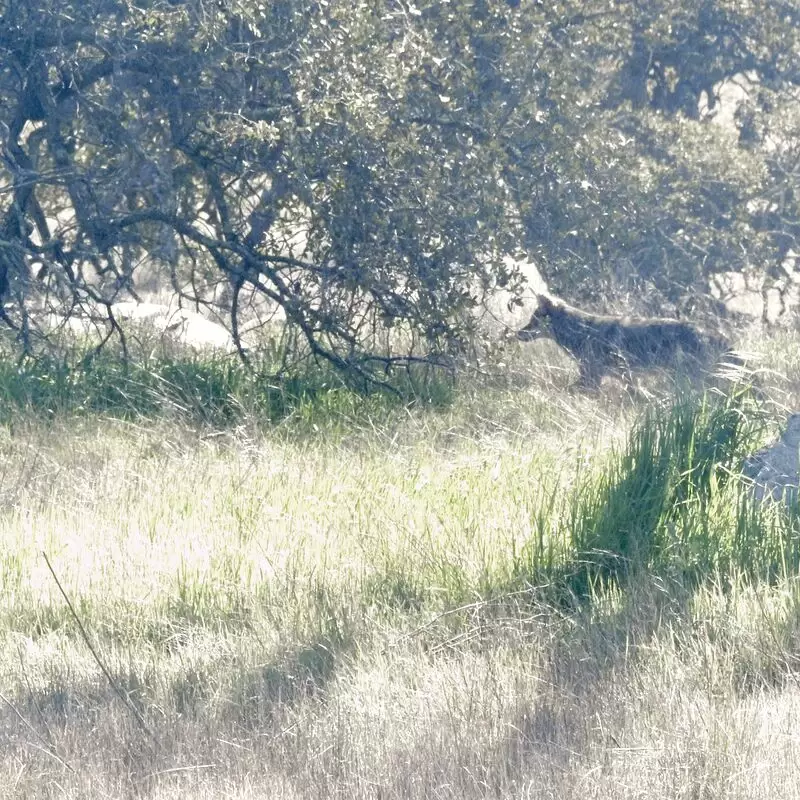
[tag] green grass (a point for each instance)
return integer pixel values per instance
(521, 592)
(218, 391)
(671, 501)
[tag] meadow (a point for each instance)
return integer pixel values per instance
(215, 586)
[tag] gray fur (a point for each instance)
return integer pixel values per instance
(617, 345)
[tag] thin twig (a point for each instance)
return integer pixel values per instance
(477, 605)
(114, 685)
(173, 770)
(49, 747)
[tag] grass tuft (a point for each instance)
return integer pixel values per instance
(213, 390)
(671, 501)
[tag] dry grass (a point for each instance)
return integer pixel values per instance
(337, 612)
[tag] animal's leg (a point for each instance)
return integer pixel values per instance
(589, 375)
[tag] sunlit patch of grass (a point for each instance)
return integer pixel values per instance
(776, 364)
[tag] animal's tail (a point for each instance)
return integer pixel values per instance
(737, 368)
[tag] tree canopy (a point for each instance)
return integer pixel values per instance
(363, 167)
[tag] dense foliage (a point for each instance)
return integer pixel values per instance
(363, 167)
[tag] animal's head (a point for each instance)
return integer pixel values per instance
(539, 324)
(792, 433)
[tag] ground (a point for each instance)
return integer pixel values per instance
(345, 604)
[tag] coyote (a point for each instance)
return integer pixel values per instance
(607, 344)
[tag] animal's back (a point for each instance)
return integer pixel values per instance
(659, 342)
